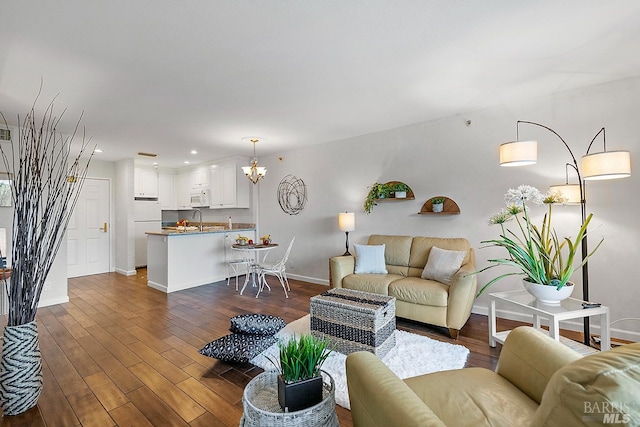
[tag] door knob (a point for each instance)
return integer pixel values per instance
(104, 227)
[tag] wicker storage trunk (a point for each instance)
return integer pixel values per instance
(355, 320)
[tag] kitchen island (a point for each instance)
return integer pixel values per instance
(178, 260)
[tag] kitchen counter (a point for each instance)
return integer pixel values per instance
(178, 260)
(174, 231)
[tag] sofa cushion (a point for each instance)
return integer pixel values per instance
(443, 264)
(397, 252)
(473, 397)
(421, 248)
(370, 259)
(596, 388)
(373, 283)
(420, 291)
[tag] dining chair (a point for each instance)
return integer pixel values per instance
(278, 270)
(238, 261)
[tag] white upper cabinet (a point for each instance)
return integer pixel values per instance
(167, 194)
(183, 190)
(145, 182)
(200, 178)
(229, 186)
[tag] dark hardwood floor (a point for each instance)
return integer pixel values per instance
(121, 353)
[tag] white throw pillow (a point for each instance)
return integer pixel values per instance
(370, 259)
(442, 265)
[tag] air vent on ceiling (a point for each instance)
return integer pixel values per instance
(147, 154)
(5, 135)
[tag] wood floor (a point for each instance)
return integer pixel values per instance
(121, 353)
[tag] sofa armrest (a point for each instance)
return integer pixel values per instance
(462, 294)
(379, 398)
(339, 268)
(529, 358)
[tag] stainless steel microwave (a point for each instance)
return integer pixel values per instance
(201, 198)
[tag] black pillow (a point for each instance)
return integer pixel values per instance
(238, 347)
(256, 324)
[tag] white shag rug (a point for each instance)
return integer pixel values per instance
(412, 355)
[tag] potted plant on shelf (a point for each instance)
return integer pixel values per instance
(376, 191)
(400, 190)
(544, 260)
(299, 381)
(437, 204)
(45, 183)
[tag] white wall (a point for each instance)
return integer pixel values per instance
(446, 157)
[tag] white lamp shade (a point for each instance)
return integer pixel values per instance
(347, 221)
(246, 170)
(571, 192)
(261, 170)
(518, 153)
(606, 165)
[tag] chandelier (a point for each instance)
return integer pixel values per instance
(254, 172)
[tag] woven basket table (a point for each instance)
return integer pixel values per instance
(261, 407)
(355, 320)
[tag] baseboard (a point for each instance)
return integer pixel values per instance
(126, 272)
(157, 286)
(571, 325)
(308, 279)
(53, 301)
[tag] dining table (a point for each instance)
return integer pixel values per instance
(253, 251)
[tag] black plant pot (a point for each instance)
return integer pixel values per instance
(299, 395)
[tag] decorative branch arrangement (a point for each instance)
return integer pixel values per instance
(45, 184)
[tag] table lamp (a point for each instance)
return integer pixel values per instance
(347, 223)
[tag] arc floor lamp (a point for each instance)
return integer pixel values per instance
(593, 166)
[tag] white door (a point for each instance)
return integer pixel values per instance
(88, 241)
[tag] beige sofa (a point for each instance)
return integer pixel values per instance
(538, 382)
(423, 300)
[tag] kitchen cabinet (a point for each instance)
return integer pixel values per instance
(229, 186)
(183, 190)
(145, 182)
(200, 178)
(167, 191)
(185, 260)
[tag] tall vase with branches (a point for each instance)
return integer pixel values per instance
(46, 180)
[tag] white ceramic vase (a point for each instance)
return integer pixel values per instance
(548, 294)
(437, 207)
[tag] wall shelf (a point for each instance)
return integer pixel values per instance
(450, 207)
(410, 195)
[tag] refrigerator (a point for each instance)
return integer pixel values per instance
(147, 217)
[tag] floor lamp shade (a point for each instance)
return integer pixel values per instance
(606, 165)
(347, 221)
(571, 193)
(518, 153)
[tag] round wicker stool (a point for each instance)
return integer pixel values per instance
(261, 407)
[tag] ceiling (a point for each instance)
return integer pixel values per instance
(167, 77)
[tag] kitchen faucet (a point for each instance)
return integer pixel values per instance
(194, 215)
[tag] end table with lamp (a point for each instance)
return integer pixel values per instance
(570, 308)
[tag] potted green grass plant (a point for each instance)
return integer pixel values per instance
(299, 380)
(45, 184)
(437, 204)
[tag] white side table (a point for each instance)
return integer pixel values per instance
(524, 302)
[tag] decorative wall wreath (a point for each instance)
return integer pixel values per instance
(292, 195)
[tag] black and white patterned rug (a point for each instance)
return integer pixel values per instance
(412, 355)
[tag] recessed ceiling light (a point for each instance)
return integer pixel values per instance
(194, 152)
(97, 150)
(155, 163)
(186, 162)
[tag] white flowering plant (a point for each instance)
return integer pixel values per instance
(538, 254)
